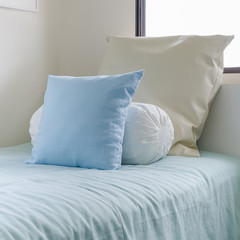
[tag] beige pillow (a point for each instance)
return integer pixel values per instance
(182, 76)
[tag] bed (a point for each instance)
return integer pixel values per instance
(175, 198)
(187, 195)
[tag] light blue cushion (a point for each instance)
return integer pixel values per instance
(83, 120)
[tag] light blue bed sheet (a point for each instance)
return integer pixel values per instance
(175, 198)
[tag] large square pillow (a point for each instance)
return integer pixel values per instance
(83, 119)
(182, 76)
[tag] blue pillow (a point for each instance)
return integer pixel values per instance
(83, 120)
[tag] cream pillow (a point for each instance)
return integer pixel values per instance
(148, 134)
(182, 76)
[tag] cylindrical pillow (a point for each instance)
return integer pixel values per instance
(34, 124)
(148, 135)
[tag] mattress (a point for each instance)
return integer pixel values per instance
(174, 198)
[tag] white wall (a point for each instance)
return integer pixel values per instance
(28, 52)
(65, 37)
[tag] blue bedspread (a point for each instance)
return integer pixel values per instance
(175, 198)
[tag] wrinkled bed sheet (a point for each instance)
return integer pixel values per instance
(174, 198)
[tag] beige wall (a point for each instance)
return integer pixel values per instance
(85, 26)
(28, 52)
(222, 132)
(64, 37)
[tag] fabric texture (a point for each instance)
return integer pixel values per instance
(148, 134)
(83, 120)
(171, 199)
(34, 124)
(182, 76)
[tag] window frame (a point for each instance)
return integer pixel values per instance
(140, 28)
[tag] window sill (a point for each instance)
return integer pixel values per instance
(231, 78)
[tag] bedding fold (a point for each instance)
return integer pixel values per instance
(174, 198)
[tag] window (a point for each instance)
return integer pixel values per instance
(186, 17)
